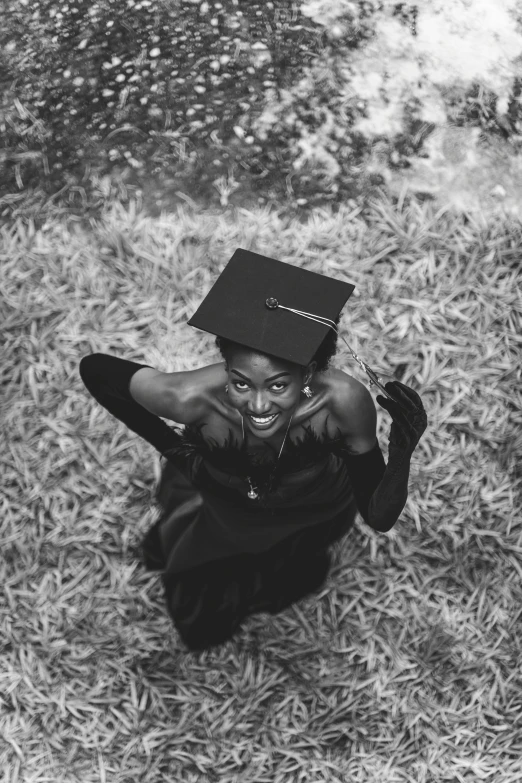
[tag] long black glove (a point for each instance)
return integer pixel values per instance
(107, 378)
(381, 490)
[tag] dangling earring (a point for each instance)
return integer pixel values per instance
(307, 391)
(226, 389)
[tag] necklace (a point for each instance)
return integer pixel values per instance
(253, 493)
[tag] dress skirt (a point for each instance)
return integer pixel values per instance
(209, 601)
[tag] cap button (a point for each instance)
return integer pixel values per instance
(272, 303)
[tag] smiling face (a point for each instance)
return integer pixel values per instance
(265, 390)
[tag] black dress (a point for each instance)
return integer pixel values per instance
(224, 556)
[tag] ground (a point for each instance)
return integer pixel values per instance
(294, 104)
(407, 665)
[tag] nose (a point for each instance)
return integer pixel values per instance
(260, 404)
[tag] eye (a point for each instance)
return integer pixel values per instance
(278, 386)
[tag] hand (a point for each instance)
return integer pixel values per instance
(409, 417)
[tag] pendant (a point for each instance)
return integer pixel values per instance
(252, 494)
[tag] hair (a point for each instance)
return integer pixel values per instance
(322, 356)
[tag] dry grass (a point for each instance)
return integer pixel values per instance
(407, 666)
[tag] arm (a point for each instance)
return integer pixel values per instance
(111, 380)
(380, 490)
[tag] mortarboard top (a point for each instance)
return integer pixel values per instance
(236, 306)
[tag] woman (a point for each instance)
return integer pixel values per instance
(278, 453)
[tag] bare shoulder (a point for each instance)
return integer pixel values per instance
(345, 390)
(353, 410)
(195, 394)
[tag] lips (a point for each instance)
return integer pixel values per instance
(262, 422)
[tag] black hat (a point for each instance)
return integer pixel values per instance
(248, 305)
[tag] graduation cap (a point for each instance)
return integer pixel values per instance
(255, 301)
(275, 308)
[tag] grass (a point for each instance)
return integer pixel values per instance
(407, 665)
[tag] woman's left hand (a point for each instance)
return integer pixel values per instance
(409, 417)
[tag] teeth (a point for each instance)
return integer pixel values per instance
(263, 421)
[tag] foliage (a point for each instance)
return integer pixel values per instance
(220, 101)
